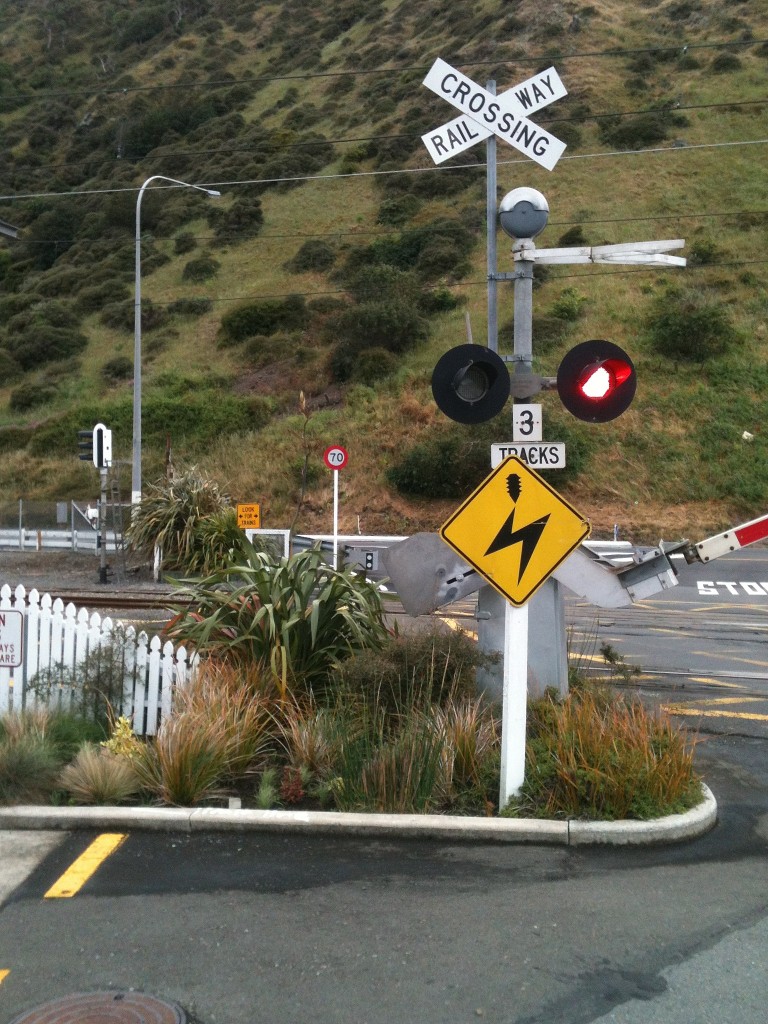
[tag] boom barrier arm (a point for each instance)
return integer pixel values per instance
(427, 574)
(731, 540)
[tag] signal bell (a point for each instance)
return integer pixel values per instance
(596, 381)
(470, 383)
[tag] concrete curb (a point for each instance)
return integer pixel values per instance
(671, 829)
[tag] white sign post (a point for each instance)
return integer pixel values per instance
(335, 458)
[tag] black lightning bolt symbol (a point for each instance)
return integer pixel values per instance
(527, 536)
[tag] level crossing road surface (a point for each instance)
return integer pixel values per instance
(701, 648)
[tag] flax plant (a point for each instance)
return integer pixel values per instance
(296, 617)
(189, 518)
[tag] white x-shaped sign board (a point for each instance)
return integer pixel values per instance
(484, 114)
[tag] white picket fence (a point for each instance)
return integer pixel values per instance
(63, 644)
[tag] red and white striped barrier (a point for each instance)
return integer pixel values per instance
(738, 537)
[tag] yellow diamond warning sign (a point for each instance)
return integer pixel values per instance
(515, 530)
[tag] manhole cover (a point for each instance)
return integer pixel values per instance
(105, 1008)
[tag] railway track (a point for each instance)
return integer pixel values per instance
(119, 600)
(134, 600)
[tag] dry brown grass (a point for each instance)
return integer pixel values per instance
(97, 776)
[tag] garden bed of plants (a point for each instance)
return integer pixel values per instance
(304, 698)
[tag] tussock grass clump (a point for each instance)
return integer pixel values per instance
(34, 744)
(97, 776)
(29, 760)
(220, 727)
(597, 756)
(471, 747)
(431, 666)
(391, 770)
(403, 731)
(186, 764)
(424, 758)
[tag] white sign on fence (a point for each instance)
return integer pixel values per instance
(11, 638)
(64, 643)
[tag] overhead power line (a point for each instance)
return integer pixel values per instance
(338, 176)
(320, 292)
(124, 243)
(356, 140)
(118, 90)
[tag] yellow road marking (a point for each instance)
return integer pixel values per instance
(730, 657)
(711, 708)
(3, 975)
(724, 700)
(709, 681)
(699, 713)
(457, 627)
(78, 873)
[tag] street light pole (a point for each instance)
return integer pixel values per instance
(136, 458)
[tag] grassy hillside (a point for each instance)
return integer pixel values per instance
(309, 304)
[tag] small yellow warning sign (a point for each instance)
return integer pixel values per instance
(515, 530)
(249, 517)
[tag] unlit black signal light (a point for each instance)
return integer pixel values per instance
(85, 445)
(470, 383)
(596, 381)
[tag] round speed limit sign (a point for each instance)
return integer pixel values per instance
(335, 457)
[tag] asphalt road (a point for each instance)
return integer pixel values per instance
(701, 648)
(245, 929)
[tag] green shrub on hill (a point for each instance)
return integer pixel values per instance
(430, 250)
(265, 318)
(30, 394)
(691, 324)
(314, 255)
(10, 369)
(201, 269)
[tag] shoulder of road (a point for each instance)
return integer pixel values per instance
(572, 832)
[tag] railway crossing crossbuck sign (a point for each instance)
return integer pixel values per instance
(483, 114)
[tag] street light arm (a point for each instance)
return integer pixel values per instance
(212, 192)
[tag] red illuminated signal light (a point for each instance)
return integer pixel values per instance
(596, 381)
(600, 379)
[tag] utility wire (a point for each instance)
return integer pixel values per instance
(339, 176)
(319, 293)
(116, 90)
(124, 243)
(550, 119)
